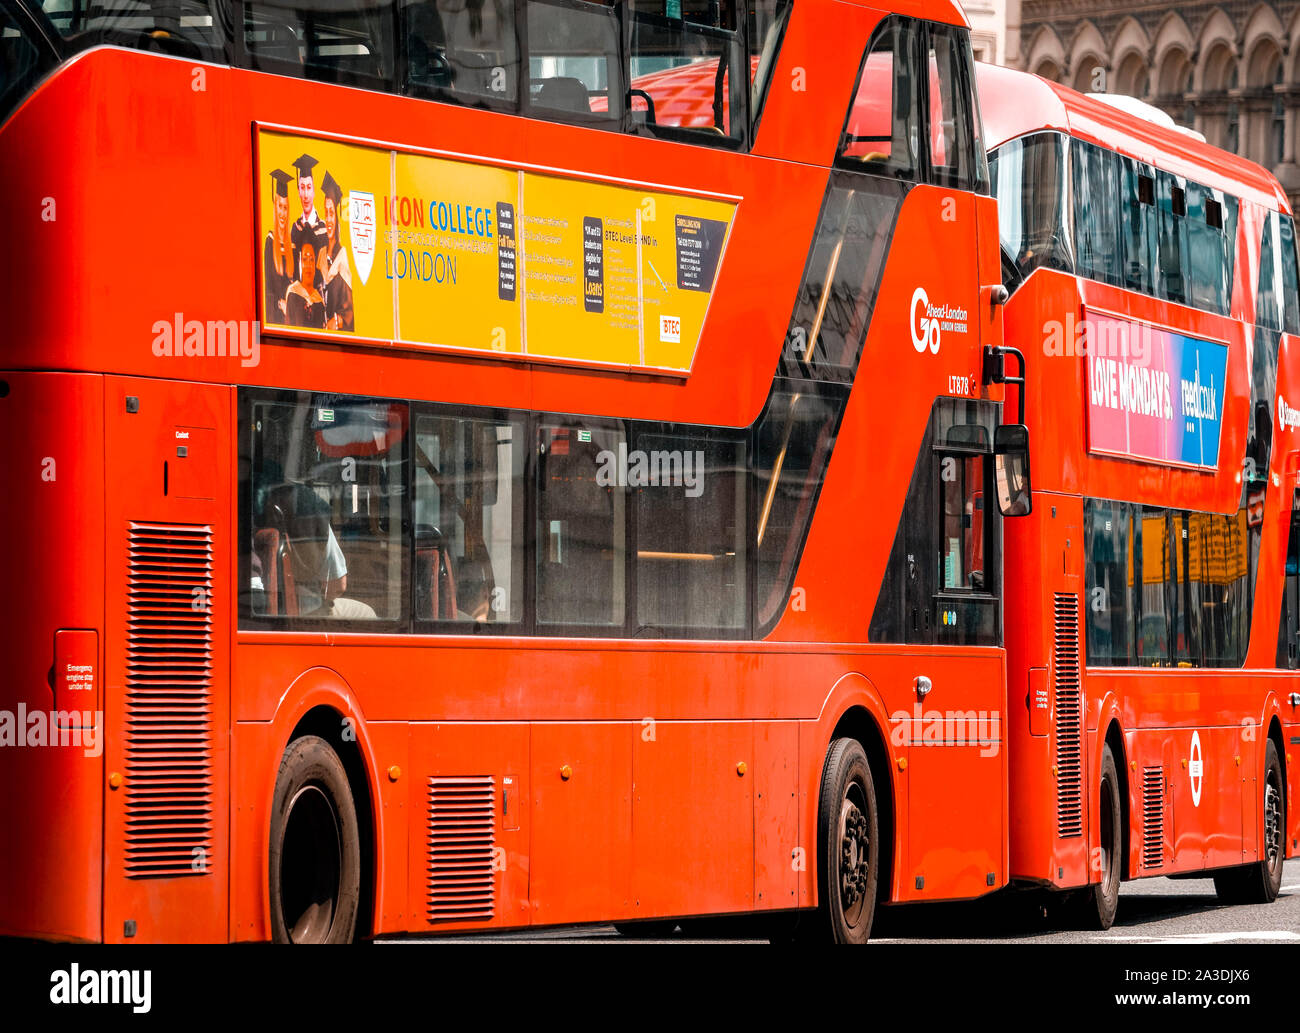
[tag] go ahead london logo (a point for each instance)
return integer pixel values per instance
(929, 321)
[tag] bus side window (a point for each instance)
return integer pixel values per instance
(581, 526)
(957, 157)
(1290, 280)
(574, 72)
(1171, 198)
(767, 22)
(321, 40)
(324, 535)
(882, 127)
(469, 519)
(686, 70)
(1096, 226)
(460, 50)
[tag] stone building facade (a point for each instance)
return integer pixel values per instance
(1230, 70)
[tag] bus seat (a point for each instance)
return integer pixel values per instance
(563, 93)
(435, 584)
(266, 547)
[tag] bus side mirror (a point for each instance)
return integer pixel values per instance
(1011, 469)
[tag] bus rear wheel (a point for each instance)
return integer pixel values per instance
(1098, 903)
(848, 848)
(315, 853)
(1259, 883)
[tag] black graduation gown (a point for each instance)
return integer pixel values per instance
(275, 283)
(338, 297)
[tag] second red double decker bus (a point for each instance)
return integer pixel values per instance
(470, 491)
(1154, 705)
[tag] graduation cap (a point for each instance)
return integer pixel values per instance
(304, 165)
(330, 188)
(281, 179)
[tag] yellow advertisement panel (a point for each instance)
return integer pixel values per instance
(453, 254)
(321, 203)
(445, 253)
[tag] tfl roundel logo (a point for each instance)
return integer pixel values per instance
(925, 328)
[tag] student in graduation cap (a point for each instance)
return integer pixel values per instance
(304, 304)
(336, 268)
(310, 227)
(278, 263)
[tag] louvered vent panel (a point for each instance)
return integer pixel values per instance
(462, 837)
(169, 821)
(1069, 717)
(1153, 817)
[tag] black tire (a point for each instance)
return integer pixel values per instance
(1260, 882)
(848, 849)
(315, 854)
(1096, 906)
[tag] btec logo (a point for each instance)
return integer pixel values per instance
(925, 331)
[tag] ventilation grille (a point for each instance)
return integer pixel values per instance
(169, 821)
(1153, 816)
(462, 831)
(1069, 717)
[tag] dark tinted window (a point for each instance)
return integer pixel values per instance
(325, 509)
(24, 57)
(882, 130)
(1096, 226)
(1139, 225)
(687, 70)
(1290, 285)
(1168, 588)
(320, 40)
(1211, 225)
(833, 309)
(581, 524)
(461, 50)
(767, 22)
(573, 61)
(689, 493)
(468, 509)
(941, 580)
(957, 157)
(1171, 197)
(794, 442)
(1030, 184)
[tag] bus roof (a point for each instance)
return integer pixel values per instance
(1014, 103)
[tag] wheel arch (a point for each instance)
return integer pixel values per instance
(319, 702)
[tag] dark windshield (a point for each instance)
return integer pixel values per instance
(25, 56)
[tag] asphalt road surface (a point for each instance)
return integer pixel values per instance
(1150, 911)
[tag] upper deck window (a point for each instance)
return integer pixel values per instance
(1030, 182)
(318, 40)
(687, 70)
(767, 22)
(461, 50)
(882, 131)
(956, 151)
(573, 61)
(1130, 225)
(691, 70)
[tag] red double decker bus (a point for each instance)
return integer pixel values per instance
(463, 491)
(1151, 597)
